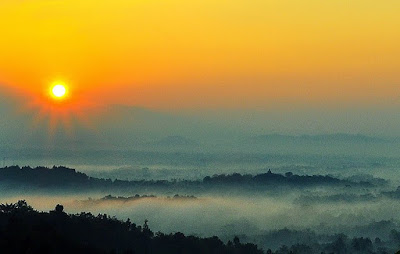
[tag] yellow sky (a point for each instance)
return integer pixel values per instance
(175, 54)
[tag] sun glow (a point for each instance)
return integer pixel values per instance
(59, 91)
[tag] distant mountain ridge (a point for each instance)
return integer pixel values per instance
(337, 137)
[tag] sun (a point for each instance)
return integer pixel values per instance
(59, 91)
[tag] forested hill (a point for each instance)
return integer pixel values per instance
(15, 177)
(24, 230)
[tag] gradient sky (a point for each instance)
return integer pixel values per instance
(204, 54)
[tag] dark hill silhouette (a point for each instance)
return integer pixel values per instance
(62, 178)
(24, 230)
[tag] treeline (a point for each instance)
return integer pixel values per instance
(62, 177)
(24, 230)
(287, 179)
(344, 245)
(286, 241)
(138, 197)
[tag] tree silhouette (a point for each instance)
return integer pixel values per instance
(59, 208)
(24, 230)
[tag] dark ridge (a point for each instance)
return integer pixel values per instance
(24, 230)
(15, 177)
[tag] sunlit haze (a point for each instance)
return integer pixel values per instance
(192, 55)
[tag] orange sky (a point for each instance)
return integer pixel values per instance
(197, 54)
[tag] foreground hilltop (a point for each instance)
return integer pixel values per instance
(24, 230)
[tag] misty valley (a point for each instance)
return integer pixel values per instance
(221, 186)
(282, 209)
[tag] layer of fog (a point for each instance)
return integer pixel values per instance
(207, 216)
